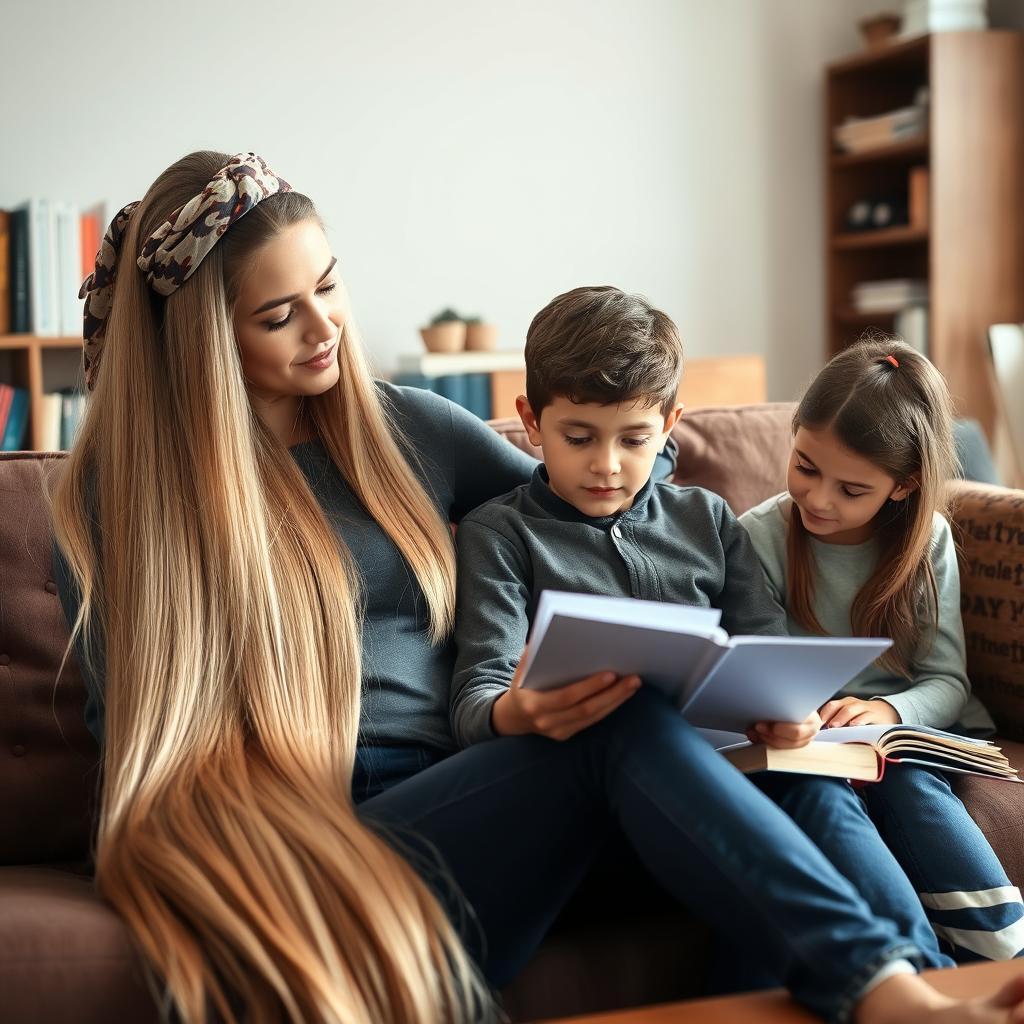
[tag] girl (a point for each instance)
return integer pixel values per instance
(860, 543)
(255, 558)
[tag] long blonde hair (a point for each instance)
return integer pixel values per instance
(231, 623)
(900, 419)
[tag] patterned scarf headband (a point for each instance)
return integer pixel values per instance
(172, 254)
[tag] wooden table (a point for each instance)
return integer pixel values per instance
(776, 1007)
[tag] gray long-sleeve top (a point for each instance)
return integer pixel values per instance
(679, 544)
(938, 694)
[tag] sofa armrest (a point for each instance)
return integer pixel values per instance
(988, 523)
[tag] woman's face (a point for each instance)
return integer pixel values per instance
(289, 316)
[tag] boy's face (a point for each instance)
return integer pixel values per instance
(598, 456)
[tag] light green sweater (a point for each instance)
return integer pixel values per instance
(939, 694)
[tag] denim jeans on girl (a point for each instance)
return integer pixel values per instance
(966, 894)
(505, 831)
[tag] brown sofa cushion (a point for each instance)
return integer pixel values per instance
(50, 760)
(990, 530)
(65, 956)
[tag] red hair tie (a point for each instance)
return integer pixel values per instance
(893, 360)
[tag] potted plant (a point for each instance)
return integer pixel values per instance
(446, 333)
(480, 336)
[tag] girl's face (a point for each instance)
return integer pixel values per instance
(289, 316)
(837, 492)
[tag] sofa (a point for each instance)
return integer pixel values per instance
(66, 957)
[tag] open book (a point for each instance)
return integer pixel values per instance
(716, 681)
(862, 752)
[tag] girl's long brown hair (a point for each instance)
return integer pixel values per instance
(899, 419)
(231, 624)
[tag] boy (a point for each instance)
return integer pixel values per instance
(602, 375)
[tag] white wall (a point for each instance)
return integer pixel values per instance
(473, 153)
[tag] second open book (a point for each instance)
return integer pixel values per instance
(723, 684)
(718, 682)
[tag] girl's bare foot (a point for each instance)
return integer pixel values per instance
(909, 999)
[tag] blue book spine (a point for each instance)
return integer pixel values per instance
(17, 419)
(479, 387)
(19, 270)
(453, 387)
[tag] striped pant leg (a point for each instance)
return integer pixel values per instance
(964, 889)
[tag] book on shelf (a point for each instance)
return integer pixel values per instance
(48, 248)
(470, 390)
(860, 135)
(59, 416)
(5, 273)
(716, 681)
(15, 419)
(888, 296)
(21, 319)
(862, 752)
(912, 326)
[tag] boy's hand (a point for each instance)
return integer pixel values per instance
(786, 735)
(854, 711)
(559, 714)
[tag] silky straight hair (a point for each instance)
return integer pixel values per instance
(230, 617)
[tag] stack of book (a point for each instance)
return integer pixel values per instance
(860, 134)
(462, 377)
(47, 248)
(13, 417)
(60, 414)
(888, 296)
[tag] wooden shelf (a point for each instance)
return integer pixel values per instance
(24, 341)
(26, 352)
(880, 239)
(896, 152)
(911, 54)
(972, 252)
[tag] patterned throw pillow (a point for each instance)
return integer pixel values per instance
(989, 527)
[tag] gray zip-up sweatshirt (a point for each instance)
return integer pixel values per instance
(679, 544)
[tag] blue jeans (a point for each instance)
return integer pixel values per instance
(505, 831)
(832, 814)
(958, 877)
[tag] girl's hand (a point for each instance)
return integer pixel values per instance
(786, 735)
(559, 714)
(854, 711)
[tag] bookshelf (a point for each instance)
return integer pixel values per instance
(25, 355)
(970, 249)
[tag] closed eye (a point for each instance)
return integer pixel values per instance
(570, 439)
(276, 325)
(635, 442)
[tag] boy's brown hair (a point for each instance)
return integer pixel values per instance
(600, 344)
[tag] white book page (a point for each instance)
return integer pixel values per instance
(873, 733)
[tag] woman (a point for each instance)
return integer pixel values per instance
(257, 612)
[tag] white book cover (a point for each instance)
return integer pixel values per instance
(69, 261)
(42, 271)
(717, 682)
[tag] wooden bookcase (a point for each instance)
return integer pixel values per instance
(971, 251)
(26, 352)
